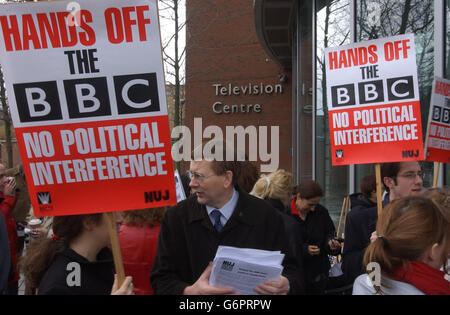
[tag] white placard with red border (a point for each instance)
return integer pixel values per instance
(86, 91)
(437, 142)
(373, 101)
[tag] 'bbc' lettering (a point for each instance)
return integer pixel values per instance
(400, 88)
(441, 115)
(41, 101)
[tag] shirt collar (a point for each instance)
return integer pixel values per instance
(228, 208)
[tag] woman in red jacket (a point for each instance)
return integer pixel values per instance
(138, 237)
(7, 202)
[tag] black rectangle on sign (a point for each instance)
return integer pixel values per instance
(136, 93)
(87, 97)
(37, 101)
(400, 88)
(343, 95)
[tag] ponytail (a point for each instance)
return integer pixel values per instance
(406, 229)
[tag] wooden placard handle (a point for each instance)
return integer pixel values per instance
(115, 246)
(436, 173)
(379, 189)
(341, 218)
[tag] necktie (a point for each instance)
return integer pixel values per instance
(216, 217)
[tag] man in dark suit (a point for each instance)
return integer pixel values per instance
(401, 179)
(191, 233)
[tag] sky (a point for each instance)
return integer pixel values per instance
(167, 30)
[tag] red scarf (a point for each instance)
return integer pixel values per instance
(293, 208)
(427, 279)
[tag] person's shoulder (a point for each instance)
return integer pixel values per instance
(55, 277)
(363, 213)
(363, 286)
(257, 204)
(320, 211)
(184, 211)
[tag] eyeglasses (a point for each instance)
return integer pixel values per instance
(412, 175)
(198, 177)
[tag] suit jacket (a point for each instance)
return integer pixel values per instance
(188, 241)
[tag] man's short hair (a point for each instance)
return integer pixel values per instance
(368, 185)
(308, 189)
(390, 170)
(223, 157)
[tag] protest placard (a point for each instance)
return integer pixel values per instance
(437, 144)
(86, 92)
(373, 101)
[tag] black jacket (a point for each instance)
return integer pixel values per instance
(294, 236)
(188, 241)
(96, 278)
(359, 226)
(359, 201)
(317, 229)
(5, 259)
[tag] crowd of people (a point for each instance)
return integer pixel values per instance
(169, 251)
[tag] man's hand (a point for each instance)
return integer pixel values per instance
(373, 237)
(334, 244)
(39, 232)
(126, 288)
(202, 287)
(280, 287)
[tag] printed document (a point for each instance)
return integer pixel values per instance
(244, 268)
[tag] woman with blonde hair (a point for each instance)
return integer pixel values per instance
(412, 244)
(276, 188)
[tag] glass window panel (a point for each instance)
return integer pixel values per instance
(384, 18)
(332, 29)
(447, 73)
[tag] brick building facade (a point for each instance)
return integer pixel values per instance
(230, 80)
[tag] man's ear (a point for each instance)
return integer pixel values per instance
(228, 179)
(389, 182)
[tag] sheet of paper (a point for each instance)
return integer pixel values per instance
(243, 268)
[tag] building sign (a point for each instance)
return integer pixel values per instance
(438, 131)
(373, 102)
(220, 107)
(86, 91)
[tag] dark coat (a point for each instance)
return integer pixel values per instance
(294, 235)
(5, 259)
(359, 201)
(97, 277)
(317, 229)
(188, 241)
(359, 226)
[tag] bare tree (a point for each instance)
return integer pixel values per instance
(173, 52)
(333, 30)
(5, 115)
(6, 118)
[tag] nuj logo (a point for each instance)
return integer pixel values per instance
(339, 154)
(44, 198)
(45, 201)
